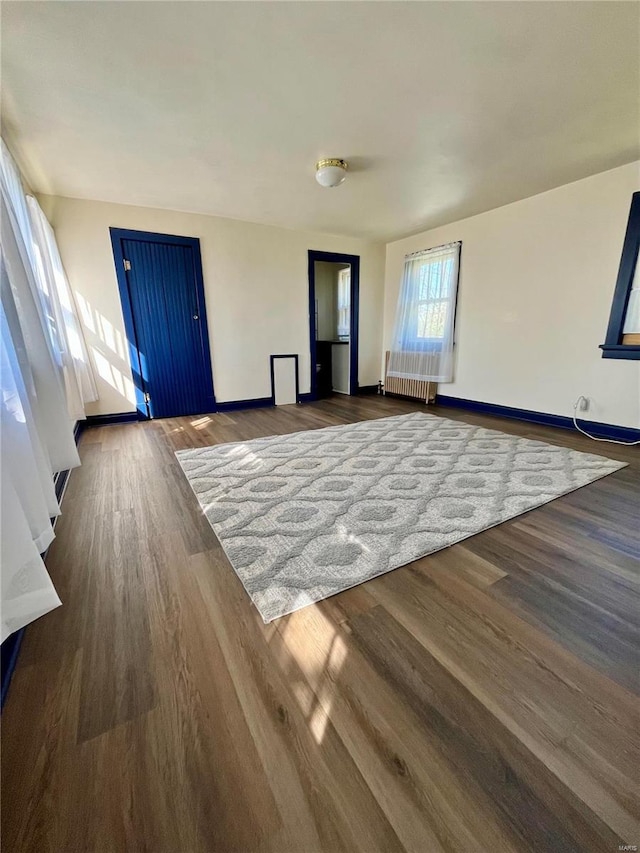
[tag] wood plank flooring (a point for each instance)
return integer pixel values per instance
(483, 698)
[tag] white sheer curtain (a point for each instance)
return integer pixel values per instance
(62, 316)
(36, 432)
(28, 499)
(422, 344)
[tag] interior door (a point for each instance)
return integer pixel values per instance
(167, 320)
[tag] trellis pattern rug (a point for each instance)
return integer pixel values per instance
(304, 516)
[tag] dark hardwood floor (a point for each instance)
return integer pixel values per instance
(482, 698)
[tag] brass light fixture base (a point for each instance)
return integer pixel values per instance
(332, 161)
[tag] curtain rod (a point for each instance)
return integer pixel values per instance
(434, 249)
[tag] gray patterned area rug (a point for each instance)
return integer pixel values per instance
(304, 516)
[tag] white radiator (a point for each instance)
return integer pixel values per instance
(420, 389)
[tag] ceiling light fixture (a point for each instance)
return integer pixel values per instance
(331, 172)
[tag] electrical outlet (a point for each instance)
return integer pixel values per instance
(584, 404)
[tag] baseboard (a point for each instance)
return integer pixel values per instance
(362, 390)
(237, 405)
(405, 397)
(115, 418)
(132, 417)
(60, 481)
(600, 430)
(263, 402)
(10, 652)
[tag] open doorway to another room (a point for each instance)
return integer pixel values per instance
(333, 319)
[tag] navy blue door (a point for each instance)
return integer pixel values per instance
(168, 322)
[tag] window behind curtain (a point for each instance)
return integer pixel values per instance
(631, 322)
(422, 345)
(435, 283)
(344, 302)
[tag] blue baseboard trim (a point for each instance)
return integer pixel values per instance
(237, 405)
(10, 652)
(404, 397)
(617, 433)
(59, 482)
(362, 390)
(258, 403)
(229, 406)
(115, 418)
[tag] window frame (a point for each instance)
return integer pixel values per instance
(613, 346)
(343, 310)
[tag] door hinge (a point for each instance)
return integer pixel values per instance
(127, 264)
(147, 397)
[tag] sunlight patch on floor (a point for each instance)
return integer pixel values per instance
(201, 423)
(313, 642)
(319, 718)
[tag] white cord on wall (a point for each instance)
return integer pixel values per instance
(594, 437)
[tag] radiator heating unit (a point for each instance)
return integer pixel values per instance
(418, 389)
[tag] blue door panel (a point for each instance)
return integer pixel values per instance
(169, 319)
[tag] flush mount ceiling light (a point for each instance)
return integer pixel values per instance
(331, 172)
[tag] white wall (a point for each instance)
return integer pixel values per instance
(256, 290)
(536, 284)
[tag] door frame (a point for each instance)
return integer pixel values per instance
(354, 315)
(117, 235)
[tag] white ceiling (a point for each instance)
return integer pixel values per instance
(443, 110)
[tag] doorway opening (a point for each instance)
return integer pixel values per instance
(334, 287)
